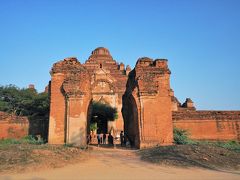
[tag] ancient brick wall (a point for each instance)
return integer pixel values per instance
(57, 110)
(209, 125)
(12, 126)
(69, 103)
(147, 104)
(147, 107)
(74, 86)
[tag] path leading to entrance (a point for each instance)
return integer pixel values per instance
(109, 164)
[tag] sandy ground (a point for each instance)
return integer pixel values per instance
(108, 164)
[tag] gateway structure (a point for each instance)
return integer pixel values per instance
(142, 97)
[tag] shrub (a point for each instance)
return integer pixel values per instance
(181, 136)
(105, 110)
(32, 140)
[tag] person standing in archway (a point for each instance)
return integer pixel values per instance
(110, 139)
(104, 138)
(122, 138)
(99, 139)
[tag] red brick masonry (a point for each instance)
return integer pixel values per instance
(209, 125)
(12, 126)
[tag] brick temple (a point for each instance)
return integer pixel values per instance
(146, 105)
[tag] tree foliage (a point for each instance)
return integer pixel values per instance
(109, 112)
(101, 114)
(23, 102)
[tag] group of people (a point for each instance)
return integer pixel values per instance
(124, 140)
(101, 138)
(109, 139)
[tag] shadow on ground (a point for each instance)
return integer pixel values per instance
(203, 156)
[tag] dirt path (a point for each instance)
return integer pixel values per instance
(121, 164)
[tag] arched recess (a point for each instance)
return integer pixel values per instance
(89, 113)
(131, 122)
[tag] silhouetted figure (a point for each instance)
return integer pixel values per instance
(122, 138)
(104, 138)
(99, 139)
(128, 141)
(128, 144)
(110, 139)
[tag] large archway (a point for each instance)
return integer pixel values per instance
(102, 116)
(131, 125)
(143, 94)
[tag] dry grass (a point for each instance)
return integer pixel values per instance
(23, 157)
(201, 155)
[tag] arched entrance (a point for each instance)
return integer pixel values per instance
(101, 117)
(130, 115)
(146, 103)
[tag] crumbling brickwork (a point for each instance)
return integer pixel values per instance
(70, 89)
(147, 104)
(74, 86)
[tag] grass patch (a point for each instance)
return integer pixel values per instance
(68, 145)
(230, 145)
(9, 141)
(24, 140)
(31, 140)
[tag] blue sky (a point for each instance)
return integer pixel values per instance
(201, 40)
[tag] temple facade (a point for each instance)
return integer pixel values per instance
(141, 97)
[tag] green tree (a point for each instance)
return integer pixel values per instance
(15, 100)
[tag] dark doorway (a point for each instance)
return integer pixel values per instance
(101, 123)
(100, 115)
